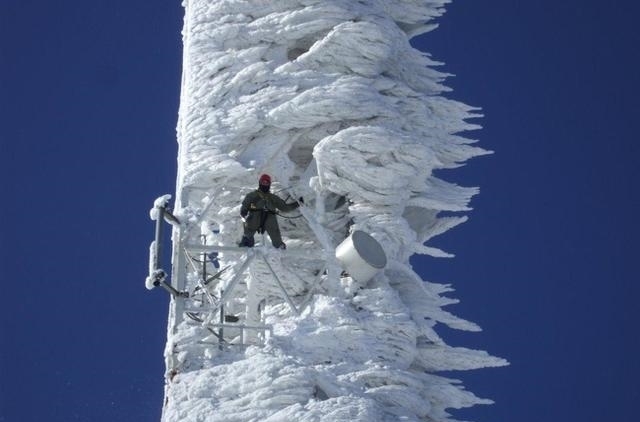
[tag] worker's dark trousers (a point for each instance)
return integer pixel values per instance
(270, 225)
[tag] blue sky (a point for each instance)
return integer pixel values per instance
(546, 265)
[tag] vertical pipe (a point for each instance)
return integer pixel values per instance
(158, 236)
(204, 261)
(221, 333)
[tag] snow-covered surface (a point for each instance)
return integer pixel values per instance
(329, 98)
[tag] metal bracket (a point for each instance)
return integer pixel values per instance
(157, 276)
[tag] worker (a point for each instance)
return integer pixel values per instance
(259, 210)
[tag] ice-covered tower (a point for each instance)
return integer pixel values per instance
(330, 99)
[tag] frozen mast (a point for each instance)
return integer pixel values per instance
(329, 98)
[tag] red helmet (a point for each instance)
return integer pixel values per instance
(265, 180)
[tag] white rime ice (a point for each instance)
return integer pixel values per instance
(330, 99)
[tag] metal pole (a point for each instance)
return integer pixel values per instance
(204, 261)
(174, 292)
(158, 243)
(221, 332)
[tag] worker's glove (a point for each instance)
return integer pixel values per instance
(243, 214)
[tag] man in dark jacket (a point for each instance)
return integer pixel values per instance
(259, 212)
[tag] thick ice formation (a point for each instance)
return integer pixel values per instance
(329, 98)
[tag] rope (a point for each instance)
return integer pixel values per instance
(295, 216)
